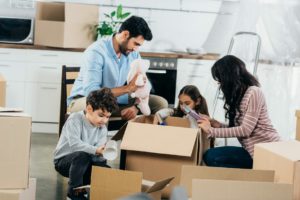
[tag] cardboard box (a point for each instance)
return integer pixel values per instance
(2, 91)
(189, 173)
(298, 125)
(15, 132)
(21, 194)
(66, 25)
(160, 151)
(237, 190)
(110, 184)
(283, 158)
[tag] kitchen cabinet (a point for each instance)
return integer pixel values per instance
(197, 72)
(34, 83)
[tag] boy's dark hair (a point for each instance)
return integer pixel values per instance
(102, 99)
(136, 26)
(193, 92)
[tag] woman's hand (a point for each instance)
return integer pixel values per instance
(214, 123)
(204, 124)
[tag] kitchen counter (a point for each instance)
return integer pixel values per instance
(208, 56)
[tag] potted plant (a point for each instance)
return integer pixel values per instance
(112, 22)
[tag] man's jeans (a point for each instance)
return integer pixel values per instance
(229, 156)
(77, 167)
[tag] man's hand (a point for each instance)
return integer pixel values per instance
(129, 113)
(100, 150)
(131, 87)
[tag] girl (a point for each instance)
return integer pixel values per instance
(246, 111)
(190, 96)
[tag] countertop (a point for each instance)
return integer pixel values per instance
(207, 56)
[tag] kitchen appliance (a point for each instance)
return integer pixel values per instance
(162, 75)
(16, 30)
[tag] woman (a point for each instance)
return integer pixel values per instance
(246, 112)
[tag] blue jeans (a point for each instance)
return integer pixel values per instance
(229, 156)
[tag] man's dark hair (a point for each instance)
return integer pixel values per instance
(136, 26)
(102, 99)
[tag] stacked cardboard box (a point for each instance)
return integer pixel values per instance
(66, 25)
(232, 184)
(284, 159)
(2, 91)
(15, 132)
(298, 125)
(160, 151)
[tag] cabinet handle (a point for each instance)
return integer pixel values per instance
(5, 53)
(4, 65)
(49, 88)
(49, 55)
(196, 64)
(152, 71)
(48, 67)
(199, 76)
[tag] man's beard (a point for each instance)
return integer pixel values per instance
(123, 48)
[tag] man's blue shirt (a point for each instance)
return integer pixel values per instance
(102, 68)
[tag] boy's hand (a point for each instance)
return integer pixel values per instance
(129, 113)
(100, 150)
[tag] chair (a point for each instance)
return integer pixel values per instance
(69, 74)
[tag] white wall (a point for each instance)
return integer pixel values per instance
(176, 24)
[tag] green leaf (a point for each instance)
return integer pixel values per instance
(125, 15)
(106, 15)
(113, 13)
(119, 11)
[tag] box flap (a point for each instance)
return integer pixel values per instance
(297, 113)
(14, 114)
(50, 11)
(287, 149)
(237, 190)
(159, 139)
(151, 186)
(2, 79)
(88, 13)
(218, 173)
(109, 183)
(119, 135)
(178, 122)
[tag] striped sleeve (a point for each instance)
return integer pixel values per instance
(252, 103)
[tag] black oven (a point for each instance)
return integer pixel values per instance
(162, 75)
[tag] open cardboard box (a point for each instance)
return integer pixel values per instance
(15, 132)
(214, 183)
(110, 184)
(20, 194)
(282, 157)
(65, 25)
(298, 125)
(160, 151)
(2, 91)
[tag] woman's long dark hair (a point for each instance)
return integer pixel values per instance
(234, 80)
(193, 92)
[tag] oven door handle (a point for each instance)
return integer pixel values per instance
(153, 71)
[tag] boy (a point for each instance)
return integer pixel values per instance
(83, 139)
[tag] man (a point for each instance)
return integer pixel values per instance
(106, 64)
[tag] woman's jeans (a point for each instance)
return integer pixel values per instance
(229, 156)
